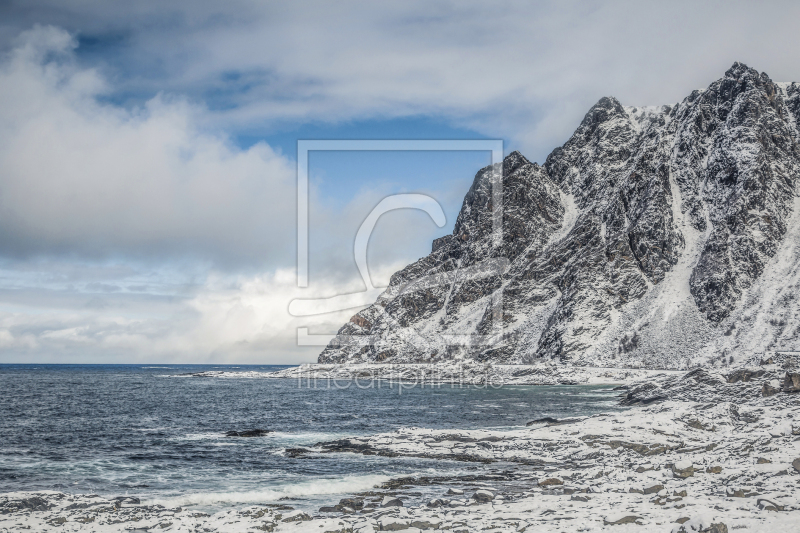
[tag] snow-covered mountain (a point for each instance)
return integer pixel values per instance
(661, 237)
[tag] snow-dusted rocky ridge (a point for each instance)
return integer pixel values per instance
(659, 237)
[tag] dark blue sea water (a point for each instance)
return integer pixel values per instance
(150, 431)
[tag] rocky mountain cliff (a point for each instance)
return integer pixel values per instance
(659, 237)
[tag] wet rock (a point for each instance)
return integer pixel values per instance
(545, 420)
(346, 445)
(296, 452)
(796, 464)
(714, 470)
(249, 433)
(353, 503)
(126, 500)
(391, 501)
(455, 492)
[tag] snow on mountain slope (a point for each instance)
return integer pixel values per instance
(659, 237)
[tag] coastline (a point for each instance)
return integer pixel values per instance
(697, 451)
(455, 373)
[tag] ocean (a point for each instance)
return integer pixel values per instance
(157, 433)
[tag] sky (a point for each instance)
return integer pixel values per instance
(148, 163)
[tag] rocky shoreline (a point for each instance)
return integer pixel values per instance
(466, 373)
(698, 451)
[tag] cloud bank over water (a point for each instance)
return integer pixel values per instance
(134, 234)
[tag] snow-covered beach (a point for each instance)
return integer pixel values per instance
(697, 451)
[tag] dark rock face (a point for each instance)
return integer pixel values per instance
(639, 241)
(751, 170)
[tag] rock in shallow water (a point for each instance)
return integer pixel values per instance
(249, 433)
(352, 503)
(391, 501)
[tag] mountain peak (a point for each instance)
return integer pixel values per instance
(606, 108)
(664, 241)
(739, 70)
(513, 161)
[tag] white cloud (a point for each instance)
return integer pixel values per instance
(80, 176)
(526, 71)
